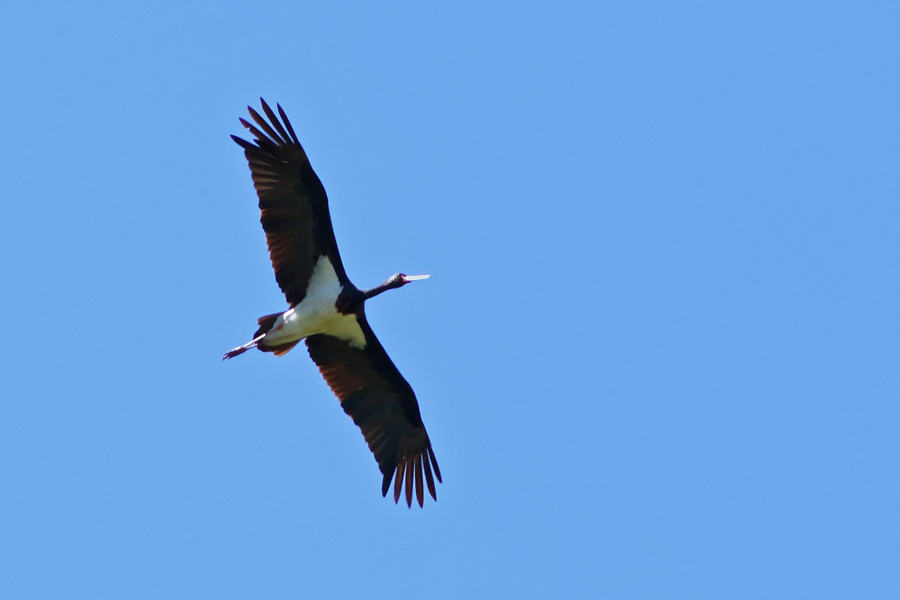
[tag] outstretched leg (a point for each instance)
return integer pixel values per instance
(241, 349)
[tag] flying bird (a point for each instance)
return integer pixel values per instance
(328, 311)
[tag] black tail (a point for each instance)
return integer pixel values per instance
(266, 323)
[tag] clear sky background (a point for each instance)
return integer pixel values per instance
(658, 356)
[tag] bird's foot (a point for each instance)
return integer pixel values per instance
(241, 349)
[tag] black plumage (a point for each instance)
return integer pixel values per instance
(295, 218)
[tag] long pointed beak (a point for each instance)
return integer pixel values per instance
(408, 278)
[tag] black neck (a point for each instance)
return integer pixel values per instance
(387, 285)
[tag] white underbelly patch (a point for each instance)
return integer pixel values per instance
(317, 314)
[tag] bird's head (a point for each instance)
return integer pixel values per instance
(398, 280)
(401, 279)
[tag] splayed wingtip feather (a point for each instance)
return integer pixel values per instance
(409, 481)
(420, 493)
(398, 480)
(429, 479)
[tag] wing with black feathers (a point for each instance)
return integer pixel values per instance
(292, 202)
(383, 405)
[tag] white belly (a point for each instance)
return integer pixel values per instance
(317, 314)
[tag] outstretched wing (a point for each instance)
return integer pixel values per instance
(380, 401)
(292, 203)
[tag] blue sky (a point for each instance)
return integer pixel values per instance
(658, 356)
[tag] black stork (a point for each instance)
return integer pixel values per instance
(328, 311)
